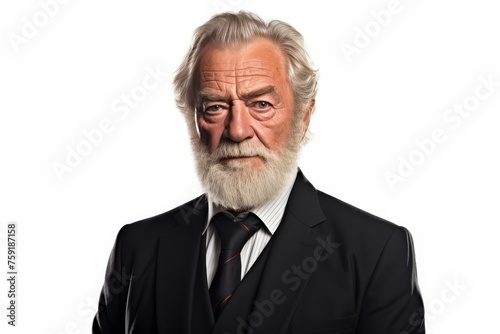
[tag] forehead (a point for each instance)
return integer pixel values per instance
(252, 62)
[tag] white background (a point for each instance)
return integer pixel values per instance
(65, 78)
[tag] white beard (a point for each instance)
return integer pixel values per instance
(238, 185)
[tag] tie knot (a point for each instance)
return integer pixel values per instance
(235, 232)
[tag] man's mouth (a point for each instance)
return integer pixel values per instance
(240, 158)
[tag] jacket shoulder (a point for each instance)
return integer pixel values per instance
(348, 216)
(363, 233)
(146, 231)
(373, 245)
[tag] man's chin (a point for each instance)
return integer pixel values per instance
(244, 181)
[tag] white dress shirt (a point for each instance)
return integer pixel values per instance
(269, 213)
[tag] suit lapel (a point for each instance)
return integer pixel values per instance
(183, 303)
(293, 250)
(267, 296)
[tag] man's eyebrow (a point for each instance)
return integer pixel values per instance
(215, 97)
(261, 91)
(212, 97)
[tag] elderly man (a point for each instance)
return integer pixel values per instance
(262, 251)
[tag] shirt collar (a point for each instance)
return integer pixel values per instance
(270, 213)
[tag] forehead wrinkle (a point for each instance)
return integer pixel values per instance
(216, 71)
(255, 71)
(243, 76)
(237, 71)
(208, 77)
(247, 77)
(216, 85)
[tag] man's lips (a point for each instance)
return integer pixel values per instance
(241, 157)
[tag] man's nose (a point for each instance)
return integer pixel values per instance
(238, 124)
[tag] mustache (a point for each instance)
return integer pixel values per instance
(227, 150)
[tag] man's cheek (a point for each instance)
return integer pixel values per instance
(210, 134)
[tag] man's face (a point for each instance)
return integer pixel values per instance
(249, 140)
(245, 96)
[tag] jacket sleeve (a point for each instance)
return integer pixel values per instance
(110, 317)
(392, 303)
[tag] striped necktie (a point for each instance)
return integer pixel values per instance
(233, 234)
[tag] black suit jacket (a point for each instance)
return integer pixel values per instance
(329, 268)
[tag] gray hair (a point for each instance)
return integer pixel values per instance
(232, 29)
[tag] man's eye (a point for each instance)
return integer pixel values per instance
(213, 108)
(262, 105)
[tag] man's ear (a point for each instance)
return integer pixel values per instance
(307, 116)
